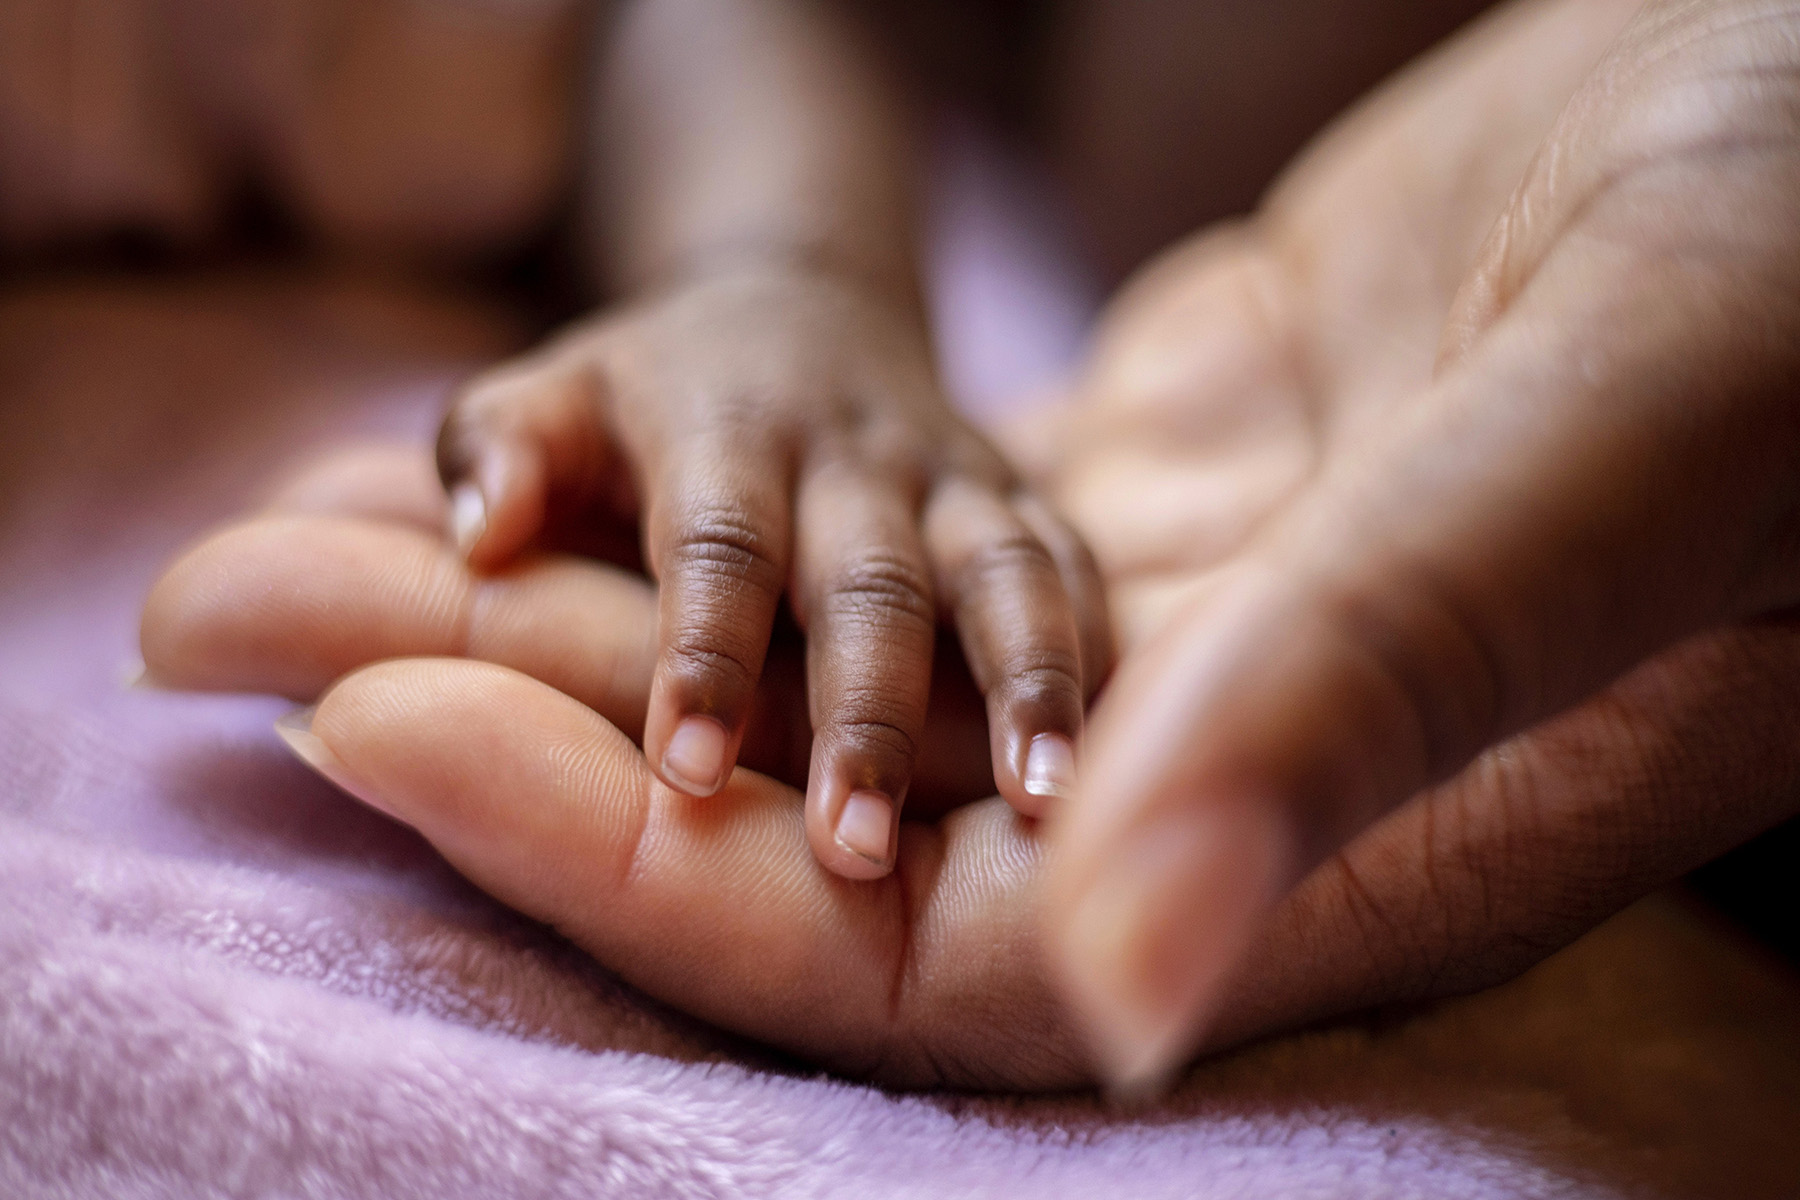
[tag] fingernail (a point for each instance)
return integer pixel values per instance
(1050, 766)
(866, 826)
(296, 729)
(1148, 947)
(468, 516)
(695, 758)
(134, 676)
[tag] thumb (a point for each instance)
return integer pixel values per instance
(1602, 467)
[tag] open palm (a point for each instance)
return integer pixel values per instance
(1226, 382)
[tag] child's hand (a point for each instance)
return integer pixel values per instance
(778, 431)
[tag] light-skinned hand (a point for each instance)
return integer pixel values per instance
(1547, 432)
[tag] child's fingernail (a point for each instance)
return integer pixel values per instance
(468, 516)
(1148, 947)
(296, 730)
(866, 826)
(695, 758)
(1050, 766)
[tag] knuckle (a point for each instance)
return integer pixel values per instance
(719, 548)
(1014, 560)
(972, 458)
(1048, 677)
(884, 589)
(698, 662)
(871, 737)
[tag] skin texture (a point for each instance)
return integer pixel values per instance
(1245, 368)
(765, 411)
(1578, 456)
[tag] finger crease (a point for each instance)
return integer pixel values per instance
(709, 661)
(886, 586)
(729, 548)
(1018, 554)
(883, 735)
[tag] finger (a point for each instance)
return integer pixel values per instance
(394, 482)
(287, 604)
(715, 907)
(519, 443)
(1539, 841)
(1082, 583)
(1019, 634)
(1603, 468)
(871, 626)
(718, 539)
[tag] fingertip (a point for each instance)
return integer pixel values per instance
(1048, 776)
(717, 534)
(297, 731)
(468, 517)
(855, 793)
(1020, 631)
(696, 759)
(864, 831)
(852, 824)
(1035, 723)
(1146, 943)
(854, 798)
(498, 507)
(694, 726)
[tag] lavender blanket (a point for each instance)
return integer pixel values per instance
(220, 977)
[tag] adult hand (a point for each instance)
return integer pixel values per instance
(1390, 557)
(530, 787)
(934, 975)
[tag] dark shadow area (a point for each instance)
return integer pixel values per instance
(1756, 884)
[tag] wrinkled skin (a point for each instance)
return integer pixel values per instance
(1229, 377)
(1444, 476)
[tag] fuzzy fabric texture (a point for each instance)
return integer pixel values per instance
(219, 977)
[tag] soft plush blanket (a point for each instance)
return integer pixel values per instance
(221, 977)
